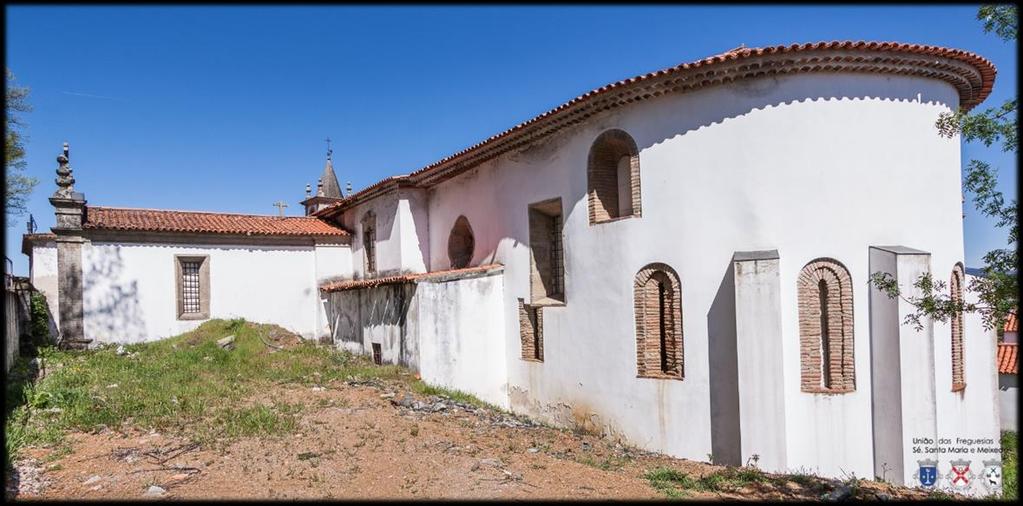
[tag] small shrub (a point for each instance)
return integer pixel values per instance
(40, 320)
(670, 482)
(1010, 457)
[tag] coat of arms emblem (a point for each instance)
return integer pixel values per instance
(960, 477)
(992, 476)
(927, 474)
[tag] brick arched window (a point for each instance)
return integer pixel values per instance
(955, 287)
(658, 304)
(826, 328)
(461, 243)
(612, 176)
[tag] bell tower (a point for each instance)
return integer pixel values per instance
(327, 189)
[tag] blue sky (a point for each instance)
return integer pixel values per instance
(226, 108)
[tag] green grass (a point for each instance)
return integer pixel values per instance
(674, 484)
(455, 395)
(1010, 449)
(185, 384)
(605, 464)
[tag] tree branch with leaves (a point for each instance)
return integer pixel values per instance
(19, 186)
(997, 291)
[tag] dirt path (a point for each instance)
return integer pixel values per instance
(364, 441)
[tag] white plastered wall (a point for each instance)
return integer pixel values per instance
(414, 230)
(460, 336)
(388, 236)
(814, 166)
(129, 291)
(333, 261)
(43, 275)
(972, 413)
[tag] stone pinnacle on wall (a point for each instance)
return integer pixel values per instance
(65, 181)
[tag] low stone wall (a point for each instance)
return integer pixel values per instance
(12, 327)
(460, 337)
(448, 326)
(374, 315)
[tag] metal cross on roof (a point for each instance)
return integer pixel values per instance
(280, 205)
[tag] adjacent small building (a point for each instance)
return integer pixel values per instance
(121, 275)
(1008, 375)
(1010, 332)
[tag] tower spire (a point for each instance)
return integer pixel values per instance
(328, 178)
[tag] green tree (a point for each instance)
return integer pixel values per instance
(19, 186)
(997, 290)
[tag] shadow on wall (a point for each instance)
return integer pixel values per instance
(112, 311)
(660, 124)
(384, 309)
(724, 374)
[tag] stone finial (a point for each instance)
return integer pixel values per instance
(348, 188)
(65, 181)
(319, 187)
(308, 190)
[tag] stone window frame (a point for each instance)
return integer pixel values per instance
(660, 344)
(461, 243)
(835, 372)
(548, 213)
(369, 237)
(955, 288)
(602, 185)
(531, 331)
(204, 287)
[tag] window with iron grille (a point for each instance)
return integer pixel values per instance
(557, 256)
(369, 239)
(190, 286)
(547, 254)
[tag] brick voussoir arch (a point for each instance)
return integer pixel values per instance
(603, 196)
(657, 358)
(955, 288)
(825, 293)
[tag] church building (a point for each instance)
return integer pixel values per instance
(679, 260)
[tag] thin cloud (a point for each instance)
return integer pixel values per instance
(88, 95)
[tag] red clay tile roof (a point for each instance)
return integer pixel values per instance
(972, 75)
(156, 220)
(1011, 324)
(445, 275)
(1008, 359)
